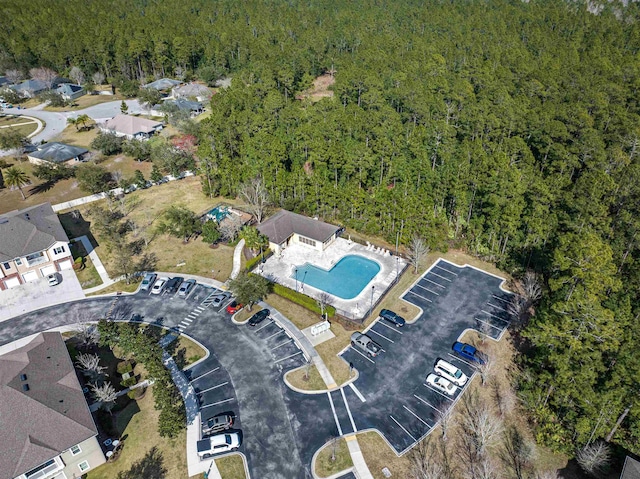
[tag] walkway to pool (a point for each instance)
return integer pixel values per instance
(281, 269)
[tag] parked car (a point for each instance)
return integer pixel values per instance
(147, 281)
(392, 317)
(186, 287)
(159, 285)
(450, 372)
(173, 284)
(234, 307)
(218, 299)
(441, 384)
(468, 352)
(364, 342)
(259, 317)
(218, 443)
(217, 423)
(53, 279)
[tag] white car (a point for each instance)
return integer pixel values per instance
(441, 384)
(53, 279)
(218, 443)
(450, 373)
(159, 285)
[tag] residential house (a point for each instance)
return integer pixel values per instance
(4, 81)
(192, 90)
(57, 153)
(163, 84)
(131, 127)
(631, 469)
(69, 91)
(192, 108)
(286, 227)
(47, 429)
(33, 245)
(31, 88)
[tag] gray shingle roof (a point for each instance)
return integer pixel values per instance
(58, 152)
(68, 89)
(52, 416)
(631, 469)
(192, 89)
(181, 104)
(131, 125)
(30, 230)
(162, 84)
(284, 223)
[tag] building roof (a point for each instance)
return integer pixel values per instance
(4, 81)
(68, 89)
(30, 230)
(131, 125)
(181, 104)
(631, 469)
(192, 89)
(284, 223)
(57, 152)
(47, 417)
(162, 84)
(37, 85)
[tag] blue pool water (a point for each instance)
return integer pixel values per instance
(346, 279)
(218, 213)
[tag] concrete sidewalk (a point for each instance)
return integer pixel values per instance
(237, 259)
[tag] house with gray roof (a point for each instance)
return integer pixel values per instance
(131, 127)
(33, 245)
(192, 108)
(192, 90)
(631, 469)
(163, 84)
(57, 153)
(47, 429)
(285, 228)
(69, 91)
(31, 88)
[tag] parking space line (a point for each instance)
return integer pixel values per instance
(416, 416)
(488, 324)
(436, 391)
(444, 269)
(200, 309)
(274, 334)
(381, 335)
(214, 387)
(203, 375)
(419, 296)
(427, 289)
(335, 416)
(181, 325)
(395, 329)
(294, 354)
(363, 355)
(436, 274)
(344, 398)
(501, 299)
(262, 327)
(496, 306)
(216, 403)
(461, 360)
(494, 316)
(187, 320)
(282, 344)
(437, 284)
(402, 427)
(426, 402)
(358, 393)
(192, 316)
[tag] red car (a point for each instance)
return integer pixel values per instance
(234, 307)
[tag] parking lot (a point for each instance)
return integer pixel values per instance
(391, 394)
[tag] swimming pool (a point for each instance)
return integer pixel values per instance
(346, 279)
(218, 213)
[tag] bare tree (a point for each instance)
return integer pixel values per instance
(517, 453)
(479, 430)
(417, 250)
(323, 301)
(106, 394)
(547, 475)
(87, 334)
(14, 76)
(77, 75)
(256, 196)
(307, 369)
(424, 462)
(98, 78)
(531, 287)
(443, 417)
(505, 399)
(517, 309)
(485, 331)
(485, 470)
(230, 227)
(486, 370)
(90, 366)
(45, 75)
(593, 457)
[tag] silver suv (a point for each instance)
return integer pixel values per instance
(365, 343)
(147, 281)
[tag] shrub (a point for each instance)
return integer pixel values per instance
(255, 261)
(129, 382)
(302, 299)
(107, 143)
(124, 367)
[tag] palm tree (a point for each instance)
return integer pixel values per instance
(16, 177)
(75, 121)
(84, 119)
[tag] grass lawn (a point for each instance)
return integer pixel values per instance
(139, 428)
(326, 465)
(127, 165)
(378, 455)
(88, 276)
(118, 286)
(299, 379)
(72, 136)
(86, 101)
(187, 352)
(231, 467)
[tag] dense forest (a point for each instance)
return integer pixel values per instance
(508, 128)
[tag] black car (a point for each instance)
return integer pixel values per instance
(392, 317)
(173, 284)
(259, 317)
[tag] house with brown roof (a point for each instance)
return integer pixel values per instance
(33, 245)
(131, 127)
(285, 228)
(47, 429)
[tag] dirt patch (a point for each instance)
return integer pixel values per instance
(320, 88)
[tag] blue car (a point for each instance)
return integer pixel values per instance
(468, 352)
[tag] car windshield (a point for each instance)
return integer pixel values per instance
(457, 374)
(469, 349)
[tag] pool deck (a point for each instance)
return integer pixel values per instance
(280, 270)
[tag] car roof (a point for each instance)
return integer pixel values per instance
(446, 365)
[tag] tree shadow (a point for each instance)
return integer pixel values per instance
(151, 466)
(42, 187)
